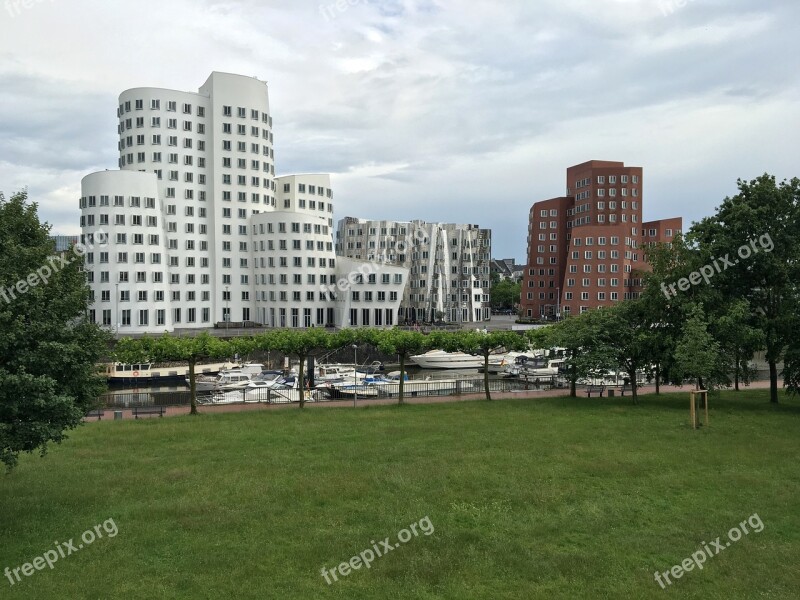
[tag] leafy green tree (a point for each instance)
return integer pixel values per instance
(300, 344)
(739, 340)
(626, 338)
(484, 345)
(585, 353)
(505, 294)
(49, 350)
(697, 353)
(753, 241)
(168, 348)
(403, 344)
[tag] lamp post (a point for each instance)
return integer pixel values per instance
(227, 309)
(355, 374)
(558, 304)
(116, 303)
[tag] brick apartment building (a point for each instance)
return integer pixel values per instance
(585, 250)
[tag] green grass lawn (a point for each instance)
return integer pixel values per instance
(544, 498)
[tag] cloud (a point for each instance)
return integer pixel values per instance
(430, 109)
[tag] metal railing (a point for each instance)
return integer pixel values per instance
(411, 388)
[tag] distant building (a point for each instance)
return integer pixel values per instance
(585, 249)
(507, 268)
(65, 242)
(448, 264)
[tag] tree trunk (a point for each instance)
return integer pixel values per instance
(301, 385)
(486, 375)
(658, 379)
(192, 388)
(634, 394)
(736, 370)
(773, 382)
(572, 383)
(402, 377)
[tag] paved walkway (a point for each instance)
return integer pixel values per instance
(173, 411)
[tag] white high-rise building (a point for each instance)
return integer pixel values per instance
(198, 229)
(449, 264)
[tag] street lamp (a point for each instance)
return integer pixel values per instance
(558, 304)
(355, 374)
(116, 302)
(227, 308)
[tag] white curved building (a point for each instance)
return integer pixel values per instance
(293, 254)
(200, 229)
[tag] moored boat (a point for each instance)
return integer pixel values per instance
(439, 359)
(145, 373)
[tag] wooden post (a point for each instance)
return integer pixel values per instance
(693, 398)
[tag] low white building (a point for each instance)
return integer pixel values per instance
(195, 229)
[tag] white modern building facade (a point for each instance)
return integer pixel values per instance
(449, 264)
(195, 229)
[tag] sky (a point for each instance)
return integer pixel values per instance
(443, 110)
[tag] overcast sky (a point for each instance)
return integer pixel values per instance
(443, 110)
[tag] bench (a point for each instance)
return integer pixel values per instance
(591, 389)
(149, 410)
(96, 413)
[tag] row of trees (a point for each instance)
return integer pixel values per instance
(301, 344)
(727, 289)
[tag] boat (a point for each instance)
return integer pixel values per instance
(389, 386)
(133, 375)
(538, 367)
(350, 390)
(428, 387)
(281, 390)
(229, 379)
(439, 359)
(339, 371)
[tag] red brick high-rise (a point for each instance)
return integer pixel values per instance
(585, 249)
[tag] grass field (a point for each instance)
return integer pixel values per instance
(546, 498)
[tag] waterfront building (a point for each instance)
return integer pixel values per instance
(448, 264)
(585, 249)
(196, 230)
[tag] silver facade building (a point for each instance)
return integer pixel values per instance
(448, 263)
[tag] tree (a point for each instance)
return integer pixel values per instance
(299, 344)
(753, 242)
(697, 353)
(484, 345)
(585, 353)
(49, 350)
(626, 337)
(403, 344)
(505, 294)
(167, 348)
(738, 339)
